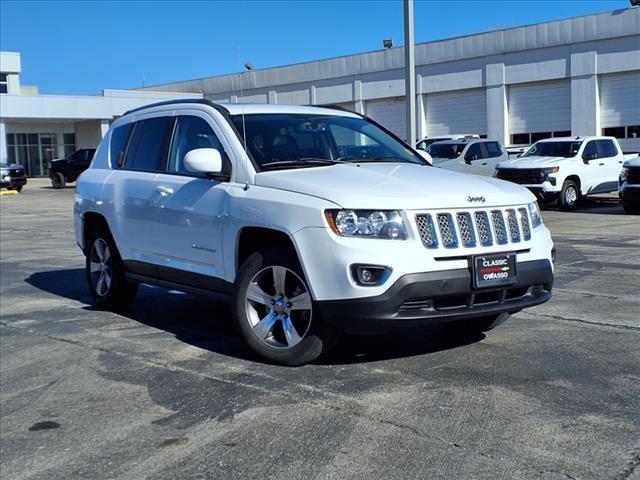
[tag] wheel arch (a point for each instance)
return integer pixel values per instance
(251, 239)
(91, 220)
(576, 179)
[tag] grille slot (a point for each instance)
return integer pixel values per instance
(427, 231)
(447, 230)
(498, 227)
(633, 177)
(484, 230)
(524, 223)
(467, 235)
(522, 176)
(514, 230)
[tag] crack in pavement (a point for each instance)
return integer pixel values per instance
(631, 467)
(587, 322)
(344, 408)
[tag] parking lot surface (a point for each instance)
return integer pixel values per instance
(168, 391)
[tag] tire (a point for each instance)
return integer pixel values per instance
(569, 196)
(105, 273)
(274, 312)
(19, 188)
(57, 180)
(631, 208)
(480, 324)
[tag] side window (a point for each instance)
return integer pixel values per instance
(119, 141)
(191, 133)
(607, 148)
(590, 151)
(148, 144)
(493, 149)
(474, 152)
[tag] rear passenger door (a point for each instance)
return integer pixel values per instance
(134, 192)
(491, 154)
(188, 207)
(611, 160)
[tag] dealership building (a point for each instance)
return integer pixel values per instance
(579, 76)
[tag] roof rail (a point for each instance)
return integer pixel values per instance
(177, 101)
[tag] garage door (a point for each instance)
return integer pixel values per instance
(389, 113)
(538, 110)
(620, 108)
(464, 111)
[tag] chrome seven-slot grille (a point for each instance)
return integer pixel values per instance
(470, 229)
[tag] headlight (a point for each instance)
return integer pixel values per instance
(536, 217)
(385, 224)
(624, 174)
(4, 171)
(551, 170)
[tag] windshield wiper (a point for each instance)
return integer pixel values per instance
(301, 162)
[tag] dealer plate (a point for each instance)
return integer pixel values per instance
(494, 270)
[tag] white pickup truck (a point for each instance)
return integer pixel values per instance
(474, 156)
(566, 168)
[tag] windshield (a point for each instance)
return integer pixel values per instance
(425, 143)
(446, 150)
(553, 149)
(286, 140)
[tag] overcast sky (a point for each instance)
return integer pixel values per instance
(81, 48)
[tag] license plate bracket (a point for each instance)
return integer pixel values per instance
(495, 270)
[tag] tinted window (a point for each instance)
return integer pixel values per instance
(78, 156)
(474, 152)
(148, 145)
(607, 148)
(633, 131)
(590, 151)
(119, 140)
(446, 150)
(191, 133)
(493, 149)
(520, 139)
(554, 149)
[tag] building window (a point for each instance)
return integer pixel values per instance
(4, 84)
(617, 132)
(36, 150)
(520, 139)
(540, 136)
(633, 131)
(562, 133)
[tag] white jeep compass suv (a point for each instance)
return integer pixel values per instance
(308, 220)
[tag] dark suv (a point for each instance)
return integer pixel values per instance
(68, 169)
(12, 176)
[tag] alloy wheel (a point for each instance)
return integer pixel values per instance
(100, 267)
(278, 306)
(571, 195)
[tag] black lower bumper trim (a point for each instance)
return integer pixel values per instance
(630, 195)
(542, 195)
(442, 296)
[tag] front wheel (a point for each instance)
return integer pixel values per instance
(57, 180)
(631, 208)
(569, 196)
(19, 188)
(274, 311)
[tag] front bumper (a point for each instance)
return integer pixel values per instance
(630, 195)
(12, 182)
(441, 296)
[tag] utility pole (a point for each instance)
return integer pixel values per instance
(409, 72)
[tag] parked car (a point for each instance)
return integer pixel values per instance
(425, 142)
(12, 176)
(254, 205)
(566, 168)
(66, 170)
(629, 185)
(478, 157)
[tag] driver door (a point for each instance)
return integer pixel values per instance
(482, 159)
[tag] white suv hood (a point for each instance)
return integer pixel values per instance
(394, 186)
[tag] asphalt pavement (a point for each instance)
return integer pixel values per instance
(168, 391)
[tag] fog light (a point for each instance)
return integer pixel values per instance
(369, 275)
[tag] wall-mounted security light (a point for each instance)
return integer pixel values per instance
(388, 42)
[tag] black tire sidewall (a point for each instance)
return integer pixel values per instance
(57, 180)
(319, 337)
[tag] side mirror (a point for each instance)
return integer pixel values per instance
(589, 156)
(203, 160)
(426, 156)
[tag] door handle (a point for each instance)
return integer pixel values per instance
(601, 164)
(164, 191)
(485, 163)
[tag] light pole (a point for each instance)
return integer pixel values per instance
(409, 72)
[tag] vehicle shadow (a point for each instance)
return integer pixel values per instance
(598, 205)
(205, 324)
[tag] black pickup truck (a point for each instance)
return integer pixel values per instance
(68, 169)
(12, 176)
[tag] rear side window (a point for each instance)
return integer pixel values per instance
(607, 148)
(119, 140)
(148, 145)
(493, 149)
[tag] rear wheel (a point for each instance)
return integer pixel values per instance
(105, 273)
(569, 196)
(57, 180)
(19, 188)
(274, 311)
(631, 208)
